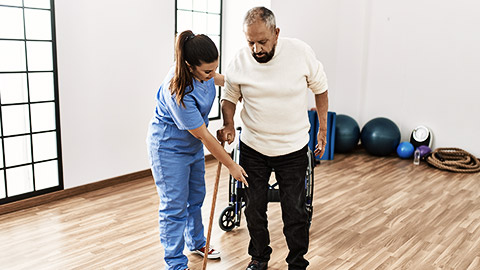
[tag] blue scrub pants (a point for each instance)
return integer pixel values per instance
(181, 187)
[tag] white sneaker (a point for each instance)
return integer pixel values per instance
(212, 253)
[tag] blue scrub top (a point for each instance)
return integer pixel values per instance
(171, 122)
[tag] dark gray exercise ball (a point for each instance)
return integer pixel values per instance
(380, 136)
(347, 133)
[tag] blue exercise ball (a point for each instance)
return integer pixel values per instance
(380, 136)
(405, 149)
(347, 133)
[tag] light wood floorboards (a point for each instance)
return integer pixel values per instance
(369, 213)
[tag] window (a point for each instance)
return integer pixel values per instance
(202, 17)
(30, 161)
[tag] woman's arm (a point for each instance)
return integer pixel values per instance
(219, 79)
(219, 152)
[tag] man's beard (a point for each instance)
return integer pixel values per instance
(266, 57)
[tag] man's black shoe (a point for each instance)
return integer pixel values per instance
(256, 265)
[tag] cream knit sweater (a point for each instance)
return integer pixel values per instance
(274, 114)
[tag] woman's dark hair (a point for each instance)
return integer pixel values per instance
(194, 50)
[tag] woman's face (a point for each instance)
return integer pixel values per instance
(205, 71)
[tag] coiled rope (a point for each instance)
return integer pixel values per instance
(454, 159)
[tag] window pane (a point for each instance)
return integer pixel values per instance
(216, 40)
(38, 24)
(46, 175)
(13, 88)
(1, 156)
(15, 119)
(214, 6)
(44, 146)
(39, 56)
(215, 112)
(17, 151)
(199, 23)
(2, 185)
(41, 86)
(17, 3)
(213, 24)
(200, 5)
(37, 3)
(27, 96)
(43, 116)
(184, 21)
(11, 23)
(12, 54)
(19, 180)
(184, 4)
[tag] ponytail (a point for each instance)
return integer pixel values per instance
(194, 50)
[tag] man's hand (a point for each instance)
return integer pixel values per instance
(321, 104)
(226, 134)
(322, 142)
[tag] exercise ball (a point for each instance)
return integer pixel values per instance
(380, 136)
(405, 149)
(347, 133)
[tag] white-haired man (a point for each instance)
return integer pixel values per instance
(273, 76)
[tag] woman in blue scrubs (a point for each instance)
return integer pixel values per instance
(175, 142)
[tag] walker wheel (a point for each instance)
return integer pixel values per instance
(227, 219)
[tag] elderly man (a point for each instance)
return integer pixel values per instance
(273, 76)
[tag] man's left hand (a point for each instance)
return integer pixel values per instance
(322, 142)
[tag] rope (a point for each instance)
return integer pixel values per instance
(454, 159)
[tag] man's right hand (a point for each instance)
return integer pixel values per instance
(226, 134)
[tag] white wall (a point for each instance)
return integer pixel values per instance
(415, 62)
(383, 58)
(112, 57)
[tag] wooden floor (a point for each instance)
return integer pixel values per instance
(369, 213)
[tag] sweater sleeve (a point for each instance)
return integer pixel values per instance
(231, 91)
(316, 79)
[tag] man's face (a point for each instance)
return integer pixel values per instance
(261, 40)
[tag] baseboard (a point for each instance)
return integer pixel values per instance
(61, 194)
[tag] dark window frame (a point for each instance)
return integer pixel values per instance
(54, 71)
(217, 104)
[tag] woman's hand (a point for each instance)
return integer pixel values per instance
(238, 173)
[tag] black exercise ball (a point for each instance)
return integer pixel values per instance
(347, 133)
(380, 136)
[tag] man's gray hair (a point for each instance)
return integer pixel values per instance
(263, 14)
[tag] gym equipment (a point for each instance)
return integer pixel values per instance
(454, 160)
(421, 135)
(380, 136)
(424, 150)
(405, 150)
(347, 133)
